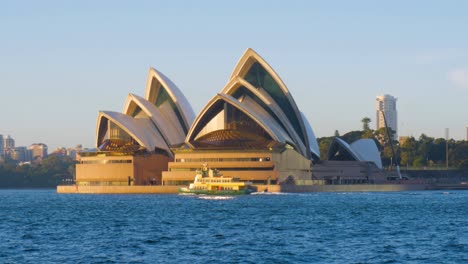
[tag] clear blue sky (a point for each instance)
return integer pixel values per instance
(63, 61)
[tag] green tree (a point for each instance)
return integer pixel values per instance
(459, 155)
(409, 151)
(437, 151)
(352, 136)
(385, 147)
(419, 162)
(324, 145)
(424, 148)
(368, 134)
(48, 174)
(365, 123)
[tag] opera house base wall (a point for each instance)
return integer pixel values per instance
(290, 164)
(348, 172)
(148, 169)
(117, 170)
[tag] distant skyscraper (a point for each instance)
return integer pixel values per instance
(466, 133)
(19, 154)
(8, 146)
(2, 148)
(38, 152)
(8, 142)
(386, 104)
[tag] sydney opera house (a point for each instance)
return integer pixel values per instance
(252, 129)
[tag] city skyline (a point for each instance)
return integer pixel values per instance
(32, 153)
(62, 62)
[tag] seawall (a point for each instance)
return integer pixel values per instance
(143, 189)
(354, 188)
(260, 188)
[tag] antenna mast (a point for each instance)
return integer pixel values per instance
(394, 159)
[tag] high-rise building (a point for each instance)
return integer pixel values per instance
(38, 152)
(8, 142)
(386, 104)
(19, 154)
(2, 148)
(8, 146)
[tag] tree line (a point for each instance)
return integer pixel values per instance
(53, 170)
(422, 152)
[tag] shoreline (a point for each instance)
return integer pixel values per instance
(158, 189)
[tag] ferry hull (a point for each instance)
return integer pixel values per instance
(215, 192)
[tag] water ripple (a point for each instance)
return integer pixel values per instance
(406, 227)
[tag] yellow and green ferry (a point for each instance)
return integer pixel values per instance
(211, 182)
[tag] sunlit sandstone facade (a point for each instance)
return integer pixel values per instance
(133, 147)
(252, 129)
(260, 167)
(131, 169)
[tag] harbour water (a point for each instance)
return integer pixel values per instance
(38, 226)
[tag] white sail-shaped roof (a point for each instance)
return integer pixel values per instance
(367, 150)
(313, 144)
(250, 105)
(268, 104)
(337, 144)
(360, 150)
(251, 110)
(155, 123)
(255, 70)
(142, 130)
(168, 125)
(162, 92)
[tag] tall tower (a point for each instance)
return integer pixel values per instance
(8, 146)
(2, 149)
(386, 104)
(8, 142)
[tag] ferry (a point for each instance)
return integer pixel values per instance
(211, 182)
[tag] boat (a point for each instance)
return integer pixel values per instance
(212, 182)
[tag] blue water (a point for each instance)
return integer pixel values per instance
(38, 226)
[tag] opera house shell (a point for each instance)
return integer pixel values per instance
(355, 163)
(360, 150)
(252, 129)
(133, 147)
